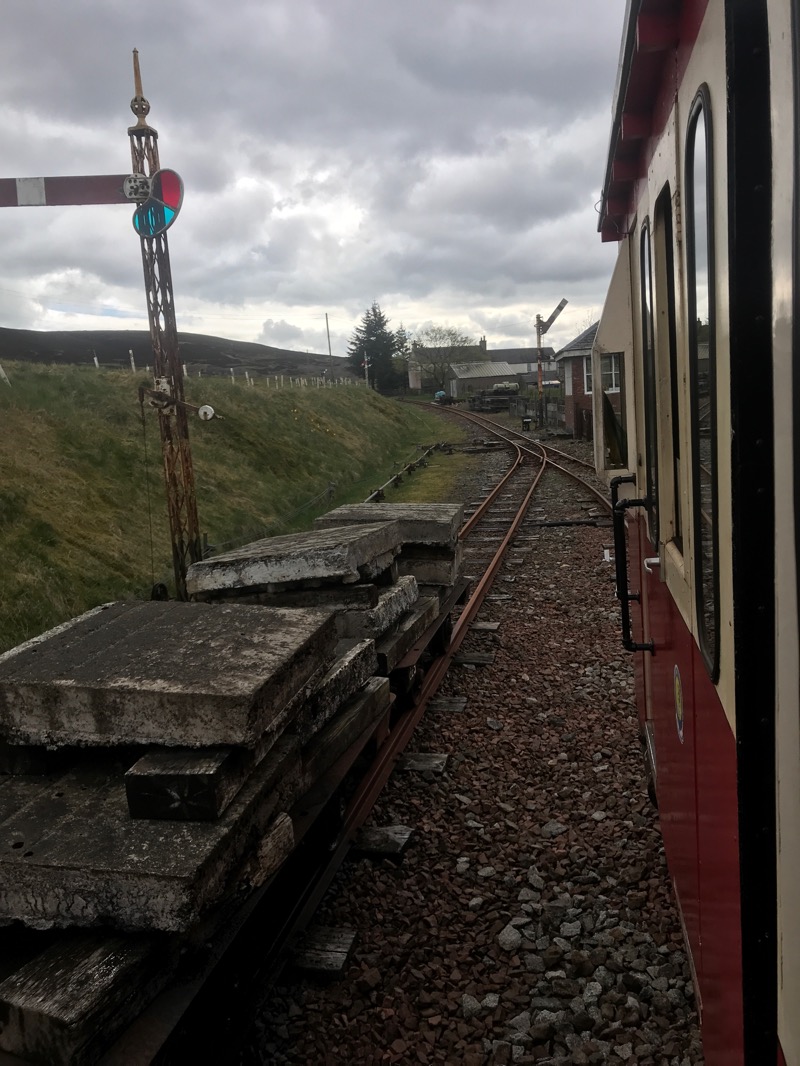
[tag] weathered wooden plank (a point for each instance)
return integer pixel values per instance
(345, 728)
(185, 785)
(423, 762)
(474, 658)
(485, 627)
(447, 704)
(389, 841)
(64, 1006)
(270, 852)
(324, 950)
(393, 647)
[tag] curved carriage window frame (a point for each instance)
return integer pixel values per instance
(665, 253)
(704, 506)
(649, 379)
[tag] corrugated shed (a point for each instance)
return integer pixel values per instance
(462, 371)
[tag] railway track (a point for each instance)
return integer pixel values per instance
(287, 905)
(510, 520)
(424, 985)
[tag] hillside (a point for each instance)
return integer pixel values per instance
(82, 510)
(211, 355)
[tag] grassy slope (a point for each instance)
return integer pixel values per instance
(75, 513)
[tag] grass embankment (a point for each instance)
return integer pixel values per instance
(82, 511)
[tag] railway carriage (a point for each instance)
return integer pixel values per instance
(700, 444)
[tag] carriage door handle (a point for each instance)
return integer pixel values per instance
(650, 563)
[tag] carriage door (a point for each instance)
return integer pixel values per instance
(670, 705)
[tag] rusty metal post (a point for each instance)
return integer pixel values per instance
(167, 368)
(540, 392)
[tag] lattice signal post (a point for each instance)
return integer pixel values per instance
(151, 220)
(158, 194)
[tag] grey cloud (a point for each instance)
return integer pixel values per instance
(281, 334)
(333, 151)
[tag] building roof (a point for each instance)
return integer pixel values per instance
(522, 368)
(582, 345)
(521, 355)
(649, 56)
(481, 370)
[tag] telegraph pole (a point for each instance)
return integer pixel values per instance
(330, 353)
(167, 369)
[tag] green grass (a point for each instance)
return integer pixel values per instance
(82, 511)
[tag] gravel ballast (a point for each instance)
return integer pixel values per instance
(531, 919)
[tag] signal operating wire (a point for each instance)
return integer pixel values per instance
(147, 489)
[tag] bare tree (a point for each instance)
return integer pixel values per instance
(436, 349)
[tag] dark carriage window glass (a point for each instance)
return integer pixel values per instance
(666, 301)
(648, 365)
(614, 435)
(700, 306)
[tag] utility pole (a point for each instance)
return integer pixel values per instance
(167, 369)
(541, 328)
(330, 353)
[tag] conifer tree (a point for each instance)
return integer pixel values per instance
(375, 345)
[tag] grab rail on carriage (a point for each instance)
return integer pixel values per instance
(624, 594)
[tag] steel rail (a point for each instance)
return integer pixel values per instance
(379, 772)
(496, 428)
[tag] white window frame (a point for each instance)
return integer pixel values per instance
(616, 375)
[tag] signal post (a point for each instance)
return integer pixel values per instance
(158, 195)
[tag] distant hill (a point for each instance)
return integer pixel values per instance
(212, 355)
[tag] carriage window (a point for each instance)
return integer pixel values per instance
(614, 435)
(667, 346)
(648, 363)
(700, 277)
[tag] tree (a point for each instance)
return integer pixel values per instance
(436, 349)
(402, 356)
(375, 345)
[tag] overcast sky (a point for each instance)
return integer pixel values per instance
(443, 157)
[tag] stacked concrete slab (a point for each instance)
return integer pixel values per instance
(354, 567)
(151, 755)
(157, 759)
(431, 551)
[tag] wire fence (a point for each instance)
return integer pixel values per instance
(280, 520)
(284, 519)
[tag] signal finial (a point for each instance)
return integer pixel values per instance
(139, 105)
